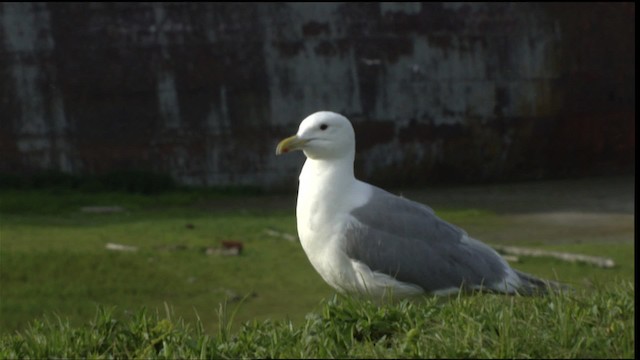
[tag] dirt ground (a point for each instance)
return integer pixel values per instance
(589, 195)
(559, 211)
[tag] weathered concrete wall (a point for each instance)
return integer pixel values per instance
(465, 92)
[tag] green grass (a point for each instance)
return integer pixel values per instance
(53, 257)
(592, 324)
(55, 272)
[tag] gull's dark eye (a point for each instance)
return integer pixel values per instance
(324, 127)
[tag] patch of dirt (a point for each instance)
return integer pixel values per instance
(576, 219)
(589, 195)
(562, 211)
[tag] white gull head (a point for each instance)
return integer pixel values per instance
(323, 135)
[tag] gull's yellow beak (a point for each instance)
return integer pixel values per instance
(289, 144)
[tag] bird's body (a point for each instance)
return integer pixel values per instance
(364, 240)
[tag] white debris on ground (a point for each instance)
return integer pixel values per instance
(120, 247)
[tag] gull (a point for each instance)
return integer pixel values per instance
(365, 241)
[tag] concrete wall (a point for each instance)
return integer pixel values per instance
(436, 91)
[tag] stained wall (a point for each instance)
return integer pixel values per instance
(461, 92)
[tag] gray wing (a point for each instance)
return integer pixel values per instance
(408, 241)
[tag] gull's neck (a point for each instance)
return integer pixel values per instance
(334, 171)
(325, 182)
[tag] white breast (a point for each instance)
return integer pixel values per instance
(322, 215)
